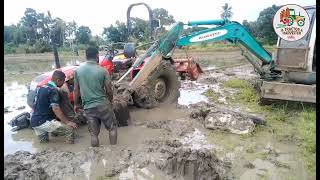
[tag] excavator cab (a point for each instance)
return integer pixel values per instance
(297, 61)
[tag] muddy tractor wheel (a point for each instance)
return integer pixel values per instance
(161, 87)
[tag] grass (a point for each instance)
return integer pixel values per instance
(247, 92)
(284, 119)
(213, 96)
(308, 133)
(214, 46)
(103, 178)
(221, 46)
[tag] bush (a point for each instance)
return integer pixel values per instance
(41, 47)
(65, 49)
(21, 49)
(203, 44)
(93, 44)
(82, 46)
(9, 48)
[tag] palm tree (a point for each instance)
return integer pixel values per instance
(226, 12)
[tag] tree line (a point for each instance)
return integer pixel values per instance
(36, 32)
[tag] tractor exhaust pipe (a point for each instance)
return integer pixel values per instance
(56, 56)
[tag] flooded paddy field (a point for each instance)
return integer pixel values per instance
(205, 135)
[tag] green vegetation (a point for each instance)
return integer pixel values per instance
(220, 46)
(308, 133)
(223, 46)
(292, 116)
(247, 92)
(262, 28)
(36, 31)
(213, 96)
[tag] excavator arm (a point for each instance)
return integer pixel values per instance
(234, 33)
(225, 30)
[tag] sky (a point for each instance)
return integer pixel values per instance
(102, 13)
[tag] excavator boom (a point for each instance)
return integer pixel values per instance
(230, 31)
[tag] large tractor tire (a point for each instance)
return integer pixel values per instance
(161, 87)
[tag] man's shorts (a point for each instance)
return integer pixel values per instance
(102, 113)
(53, 126)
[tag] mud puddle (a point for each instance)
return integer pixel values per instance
(164, 113)
(259, 157)
(14, 104)
(192, 93)
(25, 139)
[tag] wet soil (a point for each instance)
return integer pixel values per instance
(197, 139)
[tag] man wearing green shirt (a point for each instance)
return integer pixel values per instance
(93, 84)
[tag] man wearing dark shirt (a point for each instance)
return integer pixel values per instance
(46, 109)
(93, 83)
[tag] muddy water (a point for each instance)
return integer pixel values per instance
(23, 68)
(270, 158)
(19, 70)
(15, 97)
(191, 93)
(142, 116)
(259, 157)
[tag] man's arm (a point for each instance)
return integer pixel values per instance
(57, 111)
(54, 103)
(76, 93)
(108, 86)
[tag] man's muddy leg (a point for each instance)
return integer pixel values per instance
(110, 123)
(113, 135)
(93, 126)
(43, 138)
(69, 134)
(42, 134)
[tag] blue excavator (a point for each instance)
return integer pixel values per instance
(289, 74)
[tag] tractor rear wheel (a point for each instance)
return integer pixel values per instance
(300, 22)
(161, 87)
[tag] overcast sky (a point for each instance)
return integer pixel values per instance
(101, 13)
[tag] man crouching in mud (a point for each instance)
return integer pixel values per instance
(93, 83)
(66, 94)
(46, 108)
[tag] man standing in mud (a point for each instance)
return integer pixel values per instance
(46, 109)
(93, 83)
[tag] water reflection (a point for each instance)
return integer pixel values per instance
(24, 70)
(14, 101)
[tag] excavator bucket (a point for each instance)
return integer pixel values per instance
(187, 67)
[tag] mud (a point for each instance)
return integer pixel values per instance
(193, 164)
(178, 127)
(184, 141)
(214, 117)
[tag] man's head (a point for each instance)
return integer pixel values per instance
(92, 54)
(58, 77)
